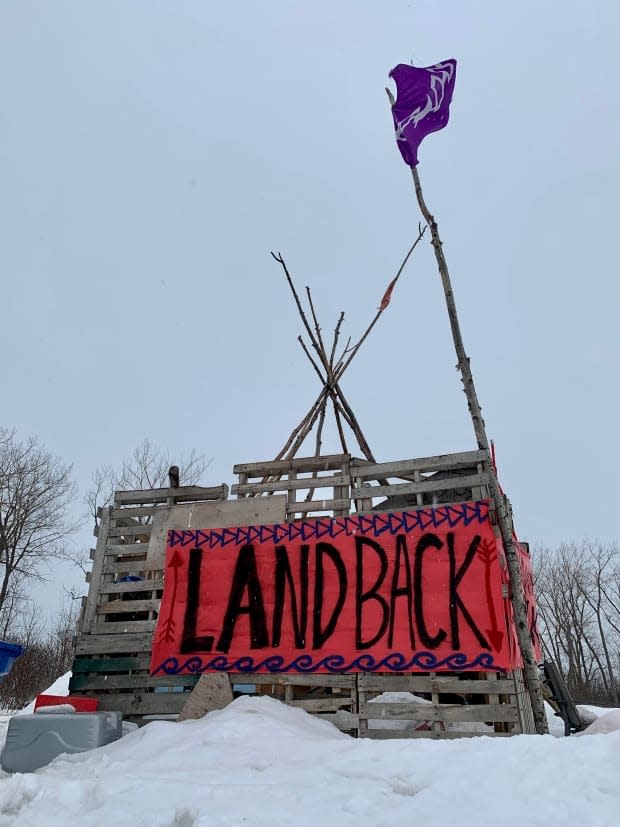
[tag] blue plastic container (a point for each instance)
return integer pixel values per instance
(9, 652)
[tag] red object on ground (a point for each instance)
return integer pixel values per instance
(81, 704)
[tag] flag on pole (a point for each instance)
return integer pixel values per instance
(422, 104)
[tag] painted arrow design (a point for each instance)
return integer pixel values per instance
(167, 630)
(488, 553)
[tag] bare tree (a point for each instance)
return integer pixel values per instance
(578, 585)
(146, 467)
(49, 653)
(36, 490)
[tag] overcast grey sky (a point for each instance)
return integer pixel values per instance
(152, 153)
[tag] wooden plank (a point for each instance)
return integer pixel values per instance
(88, 616)
(120, 512)
(443, 735)
(315, 705)
(292, 485)
(184, 493)
(329, 462)
(149, 703)
(114, 682)
(423, 683)
(437, 726)
(438, 712)
(211, 692)
(130, 531)
(524, 704)
(153, 585)
(318, 505)
(109, 665)
(424, 486)
(407, 467)
(282, 679)
(141, 567)
(113, 607)
(127, 549)
(113, 644)
(123, 626)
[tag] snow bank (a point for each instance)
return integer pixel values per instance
(261, 763)
(609, 722)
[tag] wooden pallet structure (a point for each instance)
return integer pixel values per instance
(126, 585)
(127, 580)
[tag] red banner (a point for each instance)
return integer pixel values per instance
(412, 591)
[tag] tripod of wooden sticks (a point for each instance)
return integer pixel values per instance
(330, 367)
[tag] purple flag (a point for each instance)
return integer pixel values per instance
(422, 104)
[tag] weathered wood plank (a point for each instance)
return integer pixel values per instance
(317, 505)
(114, 644)
(184, 493)
(113, 607)
(422, 487)
(315, 705)
(343, 681)
(423, 683)
(153, 585)
(291, 485)
(149, 703)
(120, 512)
(130, 531)
(88, 617)
(131, 567)
(109, 665)
(438, 712)
(329, 462)
(407, 467)
(123, 626)
(126, 549)
(385, 734)
(211, 692)
(112, 682)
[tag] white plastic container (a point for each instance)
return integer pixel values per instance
(32, 741)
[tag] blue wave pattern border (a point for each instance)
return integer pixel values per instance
(322, 528)
(335, 664)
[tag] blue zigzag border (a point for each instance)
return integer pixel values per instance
(422, 519)
(335, 664)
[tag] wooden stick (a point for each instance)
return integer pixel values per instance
(322, 352)
(501, 506)
(379, 313)
(335, 342)
(300, 309)
(338, 419)
(302, 424)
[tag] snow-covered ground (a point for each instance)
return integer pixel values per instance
(258, 762)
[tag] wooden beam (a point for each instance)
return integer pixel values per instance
(185, 493)
(328, 462)
(441, 462)
(422, 487)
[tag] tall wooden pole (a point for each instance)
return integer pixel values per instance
(504, 519)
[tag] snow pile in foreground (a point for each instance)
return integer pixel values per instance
(608, 722)
(262, 763)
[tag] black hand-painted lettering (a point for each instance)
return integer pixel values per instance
(362, 597)
(321, 633)
(401, 591)
(284, 575)
(456, 601)
(190, 642)
(245, 577)
(425, 542)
